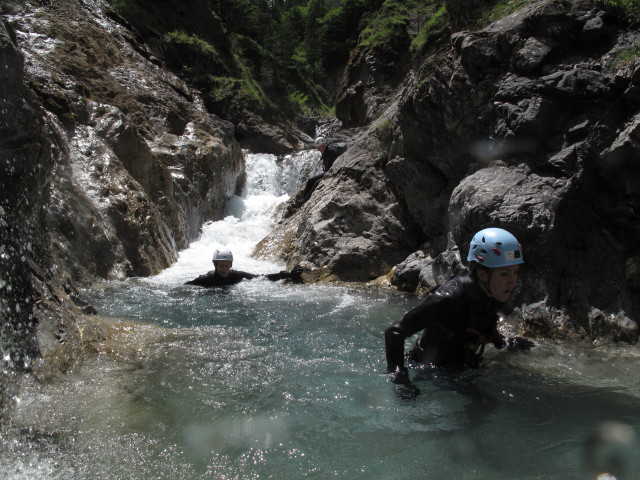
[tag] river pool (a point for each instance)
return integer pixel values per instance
(268, 380)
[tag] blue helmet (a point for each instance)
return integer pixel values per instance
(495, 247)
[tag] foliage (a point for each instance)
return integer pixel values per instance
(500, 9)
(279, 54)
(198, 45)
(300, 99)
(388, 29)
(229, 94)
(629, 9)
(627, 56)
(383, 130)
(436, 24)
(131, 10)
(341, 27)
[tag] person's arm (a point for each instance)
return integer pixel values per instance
(396, 334)
(331, 154)
(394, 338)
(240, 275)
(438, 306)
(202, 280)
(294, 274)
(326, 163)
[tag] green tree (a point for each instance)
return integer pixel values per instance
(316, 10)
(291, 33)
(341, 27)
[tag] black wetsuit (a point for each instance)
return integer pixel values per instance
(331, 153)
(452, 317)
(212, 279)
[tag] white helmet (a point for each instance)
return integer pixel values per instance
(222, 254)
(320, 141)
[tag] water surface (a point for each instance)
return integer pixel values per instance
(273, 380)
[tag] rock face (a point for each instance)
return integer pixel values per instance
(356, 228)
(110, 164)
(530, 124)
(23, 147)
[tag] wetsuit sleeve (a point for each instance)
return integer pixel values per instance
(436, 307)
(201, 281)
(278, 276)
(271, 276)
(240, 275)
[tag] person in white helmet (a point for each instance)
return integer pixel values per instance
(224, 275)
(459, 318)
(329, 153)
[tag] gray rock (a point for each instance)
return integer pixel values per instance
(110, 164)
(523, 125)
(530, 57)
(409, 273)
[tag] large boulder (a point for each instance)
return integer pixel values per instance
(353, 228)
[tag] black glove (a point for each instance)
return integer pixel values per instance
(520, 343)
(499, 342)
(405, 389)
(296, 273)
(473, 354)
(400, 375)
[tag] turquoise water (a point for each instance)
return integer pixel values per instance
(277, 381)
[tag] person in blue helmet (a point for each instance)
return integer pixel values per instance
(224, 275)
(460, 317)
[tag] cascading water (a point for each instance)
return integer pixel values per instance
(273, 380)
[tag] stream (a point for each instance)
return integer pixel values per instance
(270, 380)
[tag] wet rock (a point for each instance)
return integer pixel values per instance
(528, 124)
(407, 274)
(530, 57)
(139, 197)
(113, 165)
(352, 228)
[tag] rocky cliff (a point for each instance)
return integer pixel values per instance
(529, 124)
(110, 165)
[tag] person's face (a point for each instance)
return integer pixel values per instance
(501, 282)
(223, 267)
(322, 148)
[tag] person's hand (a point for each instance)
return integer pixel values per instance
(473, 354)
(499, 341)
(296, 273)
(405, 389)
(519, 343)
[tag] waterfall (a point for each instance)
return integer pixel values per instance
(270, 181)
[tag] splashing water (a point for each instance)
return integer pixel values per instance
(269, 380)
